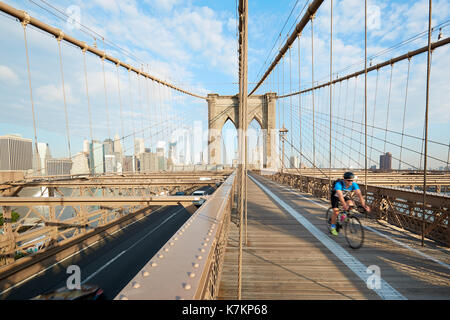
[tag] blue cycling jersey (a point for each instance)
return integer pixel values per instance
(340, 185)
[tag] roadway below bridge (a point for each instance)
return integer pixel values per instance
(112, 262)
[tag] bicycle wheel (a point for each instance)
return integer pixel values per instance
(354, 232)
(328, 215)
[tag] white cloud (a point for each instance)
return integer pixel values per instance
(8, 76)
(165, 4)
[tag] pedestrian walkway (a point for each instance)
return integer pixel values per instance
(289, 255)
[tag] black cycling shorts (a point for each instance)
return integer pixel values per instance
(335, 201)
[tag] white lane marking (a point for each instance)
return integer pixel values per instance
(103, 267)
(424, 255)
(116, 257)
(73, 254)
(385, 292)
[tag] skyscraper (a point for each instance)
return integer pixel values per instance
(386, 161)
(110, 163)
(16, 153)
(139, 146)
(117, 144)
(96, 157)
(127, 164)
(44, 155)
(294, 162)
(80, 164)
(108, 147)
(58, 166)
(86, 146)
(149, 162)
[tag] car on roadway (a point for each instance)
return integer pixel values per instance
(180, 193)
(86, 292)
(200, 197)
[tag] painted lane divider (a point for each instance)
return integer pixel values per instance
(386, 291)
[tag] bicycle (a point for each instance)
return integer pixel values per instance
(353, 228)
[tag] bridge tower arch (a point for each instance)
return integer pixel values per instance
(260, 107)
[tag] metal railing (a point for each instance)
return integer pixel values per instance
(53, 214)
(402, 208)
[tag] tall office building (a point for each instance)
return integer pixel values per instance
(108, 147)
(110, 163)
(386, 161)
(139, 146)
(294, 162)
(16, 153)
(162, 163)
(86, 146)
(80, 164)
(96, 157)
(127, 164)
(149, 162)
(39, 165)
(160, 152)
(117, 144)
(58, 166)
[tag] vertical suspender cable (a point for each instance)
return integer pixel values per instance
(24, 24)
(426, 120)
(120, 103)
(279, 113)
(388, 106)
(149, 109)
(64, 93)
(373, 116)
(132, 121)
(299, 102)
(338, 112)
(404, 115)
(345, 119)
(282, 88)
(353, 118)
(140, 104)
(87, 93)
(242, 133)
(160, 105)
(312, 84)
(331, 85)
(365, 99)
(106, 96)
(290, 99)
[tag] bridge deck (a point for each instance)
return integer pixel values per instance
(286, 260)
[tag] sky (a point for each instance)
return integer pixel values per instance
(193, 44)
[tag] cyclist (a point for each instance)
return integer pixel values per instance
(342, 192)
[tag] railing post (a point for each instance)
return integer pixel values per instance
(10, 237)
(52, 218)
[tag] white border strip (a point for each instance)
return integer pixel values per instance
(386, 292)
(375, 231)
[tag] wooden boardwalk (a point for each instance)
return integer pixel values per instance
(284, 260)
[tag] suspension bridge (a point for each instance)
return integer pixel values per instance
(145, 223)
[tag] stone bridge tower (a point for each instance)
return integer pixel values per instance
(262, 108)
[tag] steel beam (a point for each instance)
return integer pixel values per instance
(310, 11)
(97, 201)
(405, 56)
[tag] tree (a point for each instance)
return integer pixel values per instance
(14, 217)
